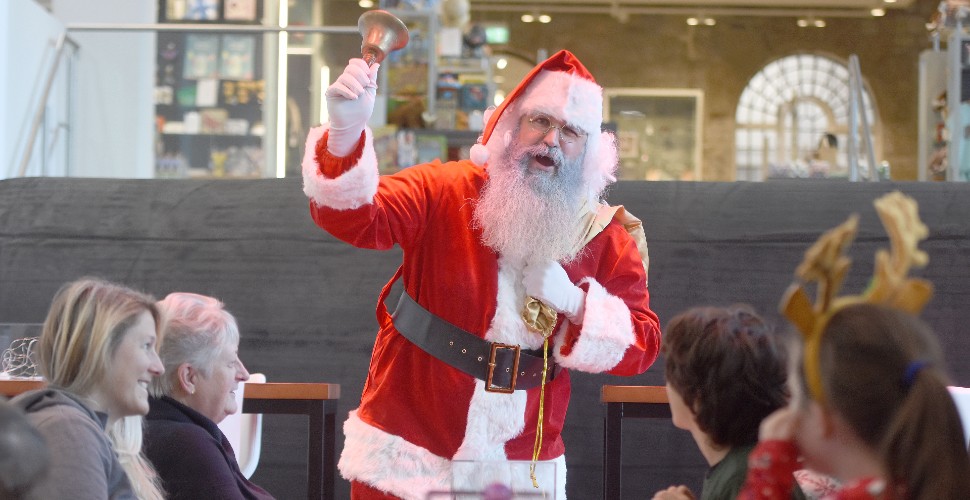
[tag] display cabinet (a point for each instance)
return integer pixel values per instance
(434, 91)
(958, 103)
(658, 132)
(213, 117)
(932, 115)
(944, 97)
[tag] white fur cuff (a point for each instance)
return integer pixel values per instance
(352, 189)
(606, 333)
(389, 463)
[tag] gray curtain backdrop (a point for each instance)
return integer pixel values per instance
(305, 301)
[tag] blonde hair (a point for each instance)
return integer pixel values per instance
(85, 324)
(126, 435)
(87, 320)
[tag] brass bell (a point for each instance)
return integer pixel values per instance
(383, 32)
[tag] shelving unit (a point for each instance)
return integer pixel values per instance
(944, 100)
(958, 101)
(211, 92)
(933, 134)
(431, 98)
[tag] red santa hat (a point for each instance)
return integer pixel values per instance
(560, 86)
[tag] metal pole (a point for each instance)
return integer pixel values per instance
(866, 134)
(853, 147)
(220, 28)
(41, 105)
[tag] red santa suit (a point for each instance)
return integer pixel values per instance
(418, 413)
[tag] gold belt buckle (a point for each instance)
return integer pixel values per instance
(491, 369)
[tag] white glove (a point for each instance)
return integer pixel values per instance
(350, 101)
(549, 283)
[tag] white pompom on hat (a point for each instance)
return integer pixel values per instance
(560, 86)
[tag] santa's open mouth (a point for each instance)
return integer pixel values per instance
(546, 162)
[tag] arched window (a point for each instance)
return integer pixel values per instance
(793, 120)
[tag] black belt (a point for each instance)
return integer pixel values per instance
(503, 367)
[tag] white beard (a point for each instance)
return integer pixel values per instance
(531, 216)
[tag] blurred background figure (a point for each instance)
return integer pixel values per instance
(24, 459)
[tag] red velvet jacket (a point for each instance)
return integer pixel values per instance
(416, 412)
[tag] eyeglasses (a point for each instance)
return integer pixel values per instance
(542, 124)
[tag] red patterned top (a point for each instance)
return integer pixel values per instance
(770, 477)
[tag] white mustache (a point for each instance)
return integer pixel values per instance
(552, 152)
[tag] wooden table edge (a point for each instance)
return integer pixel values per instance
(633, 394)
(268, 390)
(291, 390)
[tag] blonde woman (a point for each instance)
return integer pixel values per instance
(97, 352)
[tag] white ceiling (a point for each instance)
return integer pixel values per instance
(829, 8)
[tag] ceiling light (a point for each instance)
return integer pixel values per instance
(878, 12)
(692, 21)
(545, 18)
(528, 18)
(501, 63)
(802, 22)
(366, 4)
(889, 1)
(709, 21)
(819, 23)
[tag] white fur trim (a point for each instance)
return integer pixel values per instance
(478, 155)
(599, 164)
(606, 333)
(577, 100)
(507, 326)
(495, 418)
(355, 188)
(389, 463)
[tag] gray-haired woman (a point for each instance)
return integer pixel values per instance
(182, 439)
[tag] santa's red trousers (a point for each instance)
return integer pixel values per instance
(361, 491)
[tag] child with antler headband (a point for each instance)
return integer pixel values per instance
(870, 404)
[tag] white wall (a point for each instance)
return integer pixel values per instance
(27, 39)
(114, 108)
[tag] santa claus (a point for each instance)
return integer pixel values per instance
(500, 252)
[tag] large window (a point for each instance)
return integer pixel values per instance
(793, 120)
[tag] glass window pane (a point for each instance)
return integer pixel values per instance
(810, 95)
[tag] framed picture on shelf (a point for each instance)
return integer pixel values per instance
(213, 120)
(201, 57)
(164, 95)
(658, 131)
(409, 4)
(627, 144)
(236, 60)
(175, 10)
(240, 10)
(202, 10)
(474, 96)
(430, 147)
(185, 96)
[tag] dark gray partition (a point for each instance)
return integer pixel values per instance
(305, 301)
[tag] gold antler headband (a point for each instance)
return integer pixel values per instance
(826, 264)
